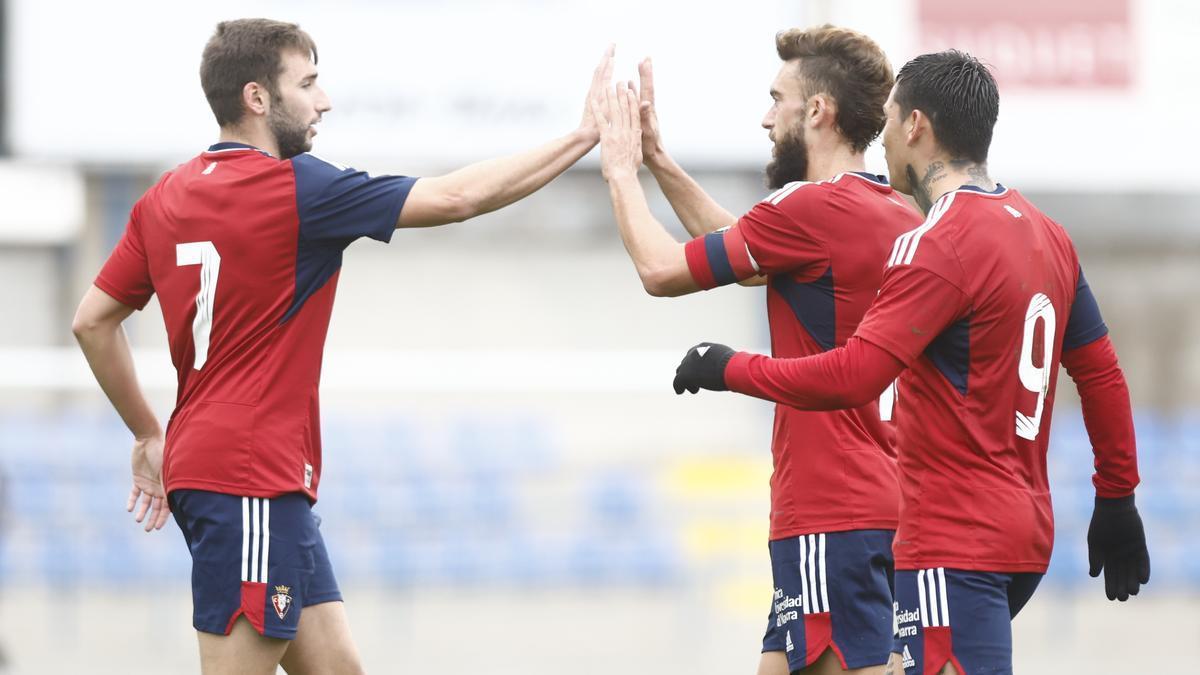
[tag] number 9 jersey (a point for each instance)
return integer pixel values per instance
(980, 302)
(244, 250)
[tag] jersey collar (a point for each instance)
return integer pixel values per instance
(873, 177)
(1000, 189)
(227, 146)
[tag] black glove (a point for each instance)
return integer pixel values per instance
(703, 368)
(1117, 544)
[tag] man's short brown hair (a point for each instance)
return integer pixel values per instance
(847, 66)
(243, 51)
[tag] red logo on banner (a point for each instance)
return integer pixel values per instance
(1037, 44)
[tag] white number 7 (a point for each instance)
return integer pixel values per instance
(204, 254)
(1036, 378)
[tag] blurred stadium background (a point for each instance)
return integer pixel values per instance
(510, 485)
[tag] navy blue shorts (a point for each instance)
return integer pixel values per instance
(255, 557)
(960, 617)
(834, 591)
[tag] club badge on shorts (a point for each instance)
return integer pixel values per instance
(282, 600)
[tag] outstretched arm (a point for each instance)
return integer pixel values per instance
(660, 261)
(846, 377)
(699, 213)
(495, 183)
(97, 327)
(912, 309)
(697, 210)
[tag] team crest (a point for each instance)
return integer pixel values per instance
(282, 600)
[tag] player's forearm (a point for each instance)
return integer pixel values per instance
(846, 377)
(495, 183)
(1107, 415)
(107, 351)
(699, 213)
(654, 252)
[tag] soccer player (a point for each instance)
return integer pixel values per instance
(978, 307)
(243, 245)
(820, 240)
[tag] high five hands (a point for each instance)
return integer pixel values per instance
(651, 140)
(617, 112)
(601, 77)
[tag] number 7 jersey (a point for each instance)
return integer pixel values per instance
(243, 251)
(979, 302)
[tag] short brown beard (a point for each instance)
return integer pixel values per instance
(291, 135)
(790, 161)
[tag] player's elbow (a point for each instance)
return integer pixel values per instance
(661, 283)
(449, 205)
(84, 324)
(458, 206)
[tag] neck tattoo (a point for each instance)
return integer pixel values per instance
(922, 188)
(976, 172)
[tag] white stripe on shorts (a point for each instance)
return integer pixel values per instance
(921, 595)
(245, 539)
(824, 587)
(934, 613)
(807, 607)
(256, 519)
(942, 594)
(812, 573)
(266, 539)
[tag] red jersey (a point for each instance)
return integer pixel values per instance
(980, 301)
(822, 245)
(244, 250)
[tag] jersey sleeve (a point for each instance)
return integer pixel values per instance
(845, 377)
(1085, 325)
(764, 241)
(1107, 415)
(338, 205)
(126, 274)
(914, 306)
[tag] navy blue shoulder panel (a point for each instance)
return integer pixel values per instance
(1085, 324)
(950, 353)
(337, 205)
(813, 304)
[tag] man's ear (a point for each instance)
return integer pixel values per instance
(820, 108)
(256, 99)
(918, 125)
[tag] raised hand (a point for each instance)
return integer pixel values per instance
(651, 140)
(601, 77)
(147, 484)
(620, 131)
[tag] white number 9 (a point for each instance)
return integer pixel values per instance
(1036, 378)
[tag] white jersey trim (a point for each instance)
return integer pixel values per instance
(906, 244)
(785, 191)
(782, 193)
